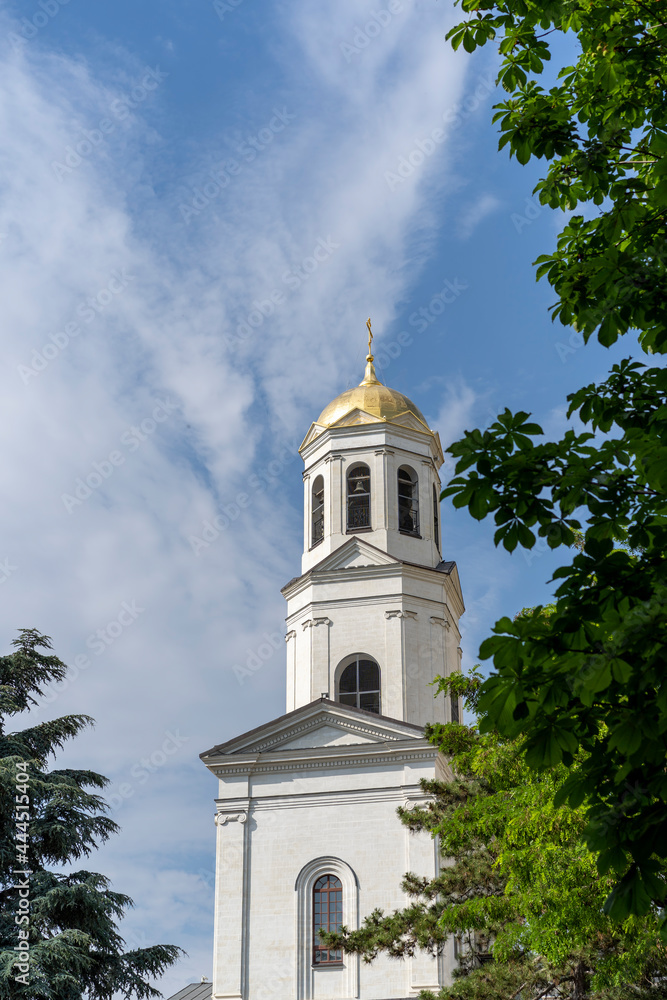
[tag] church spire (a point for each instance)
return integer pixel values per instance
(370, 378)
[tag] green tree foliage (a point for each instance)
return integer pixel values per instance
(54, 819)
(592, 681)
(519, 890)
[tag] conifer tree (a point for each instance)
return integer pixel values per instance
(59, 938)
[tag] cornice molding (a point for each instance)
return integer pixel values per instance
(335, 797)
(389, 570)
(427, 605)
(320, 764)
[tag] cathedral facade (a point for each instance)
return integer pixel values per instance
(306, 825)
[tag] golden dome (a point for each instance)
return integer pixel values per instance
(373, 398)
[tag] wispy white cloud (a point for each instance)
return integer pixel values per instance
(457, 410)
(241, 324)
(475, 213)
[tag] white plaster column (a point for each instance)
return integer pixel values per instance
(318, 629)
(290, 640)
(440, 627)
(426, 501)
(230, 917)
(421, 859)
(439, 549)
(393, 689)
(306, 511)
(392, 463)
(400, 667)
(383, 492)
(336, 498)
(413, 676)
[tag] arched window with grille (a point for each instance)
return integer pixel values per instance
(359, 684)
(317, 511)
(408, 501)
(327, 916)
(359, 498)
(436, 517)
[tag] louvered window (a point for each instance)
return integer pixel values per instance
(408, 502)
(359, 498)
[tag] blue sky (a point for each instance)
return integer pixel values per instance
(169, 171)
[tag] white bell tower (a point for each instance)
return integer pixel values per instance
(373, 579)
(307, 832)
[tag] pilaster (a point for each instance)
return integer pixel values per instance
(291, 693)
(423, 972)
(306, 511)
(230, 929)
(320, 659)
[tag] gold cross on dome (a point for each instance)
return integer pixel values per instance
(370, 334)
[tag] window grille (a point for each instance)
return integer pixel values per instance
(317, 511)
(327, 916)
(359, 685)
(408, 502)
(358, 498)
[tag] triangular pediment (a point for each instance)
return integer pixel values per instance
(358, 416)
(323, 733)
(322, 723)
(314, 431)
(353, 553)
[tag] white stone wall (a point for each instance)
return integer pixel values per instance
(403, 617)
(298, 825)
